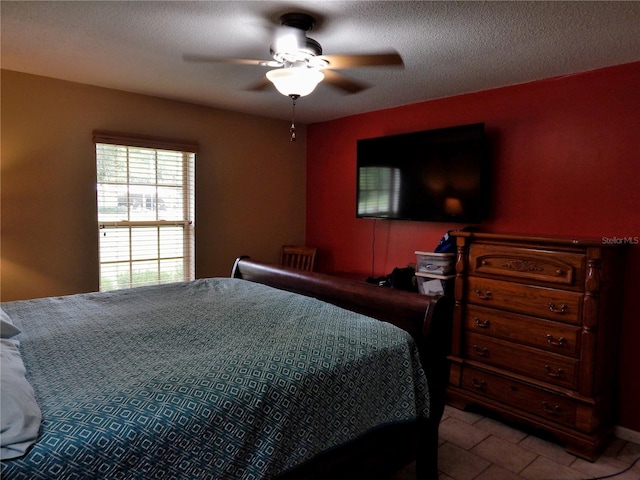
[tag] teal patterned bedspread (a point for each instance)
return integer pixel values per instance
(212, 379)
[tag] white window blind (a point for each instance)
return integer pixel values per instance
(146, 210)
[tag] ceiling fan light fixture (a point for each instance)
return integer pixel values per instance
(295, 81)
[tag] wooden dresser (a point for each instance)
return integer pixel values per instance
(535, 334)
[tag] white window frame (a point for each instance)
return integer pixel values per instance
(126, 257)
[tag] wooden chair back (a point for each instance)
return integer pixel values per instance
(297, 256)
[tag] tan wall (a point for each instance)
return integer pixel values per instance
(250, 181)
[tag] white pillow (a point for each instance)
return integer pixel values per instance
(21, 415)
(7, 328)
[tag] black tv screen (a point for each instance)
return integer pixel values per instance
(435, 175)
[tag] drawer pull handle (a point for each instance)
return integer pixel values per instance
(478, 384)
(556, 343)
(482, 323)
(554, 411)
(554, 309)
(557, 374)
(481, 351)
(483, 295)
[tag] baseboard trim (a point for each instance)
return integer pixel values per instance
(627, 434)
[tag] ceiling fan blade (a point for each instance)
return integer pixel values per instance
(345, 84)
(237, 61)
(373, 60)
(260, 85)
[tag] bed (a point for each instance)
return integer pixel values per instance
(273, 373)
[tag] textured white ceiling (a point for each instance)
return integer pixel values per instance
(448, 47)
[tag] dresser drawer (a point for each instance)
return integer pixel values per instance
(545, 334)
(528, 264)
(520, 395)
(559, 305)
(547, 367)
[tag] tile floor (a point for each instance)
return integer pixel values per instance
(474, 447)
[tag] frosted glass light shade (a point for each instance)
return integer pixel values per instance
(298, 81)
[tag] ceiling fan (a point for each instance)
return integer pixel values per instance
(299, 64)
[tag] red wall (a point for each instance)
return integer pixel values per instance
(566, 155)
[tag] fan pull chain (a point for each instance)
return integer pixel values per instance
(292, 129)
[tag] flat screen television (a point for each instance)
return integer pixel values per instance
(435, 175)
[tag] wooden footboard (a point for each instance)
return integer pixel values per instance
(426, 318)
(412, 312)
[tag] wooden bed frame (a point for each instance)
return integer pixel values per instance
(426, 318)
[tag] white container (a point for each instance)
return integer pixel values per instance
(435, 263)
(430, 286)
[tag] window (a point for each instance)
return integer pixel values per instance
(146, 210)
